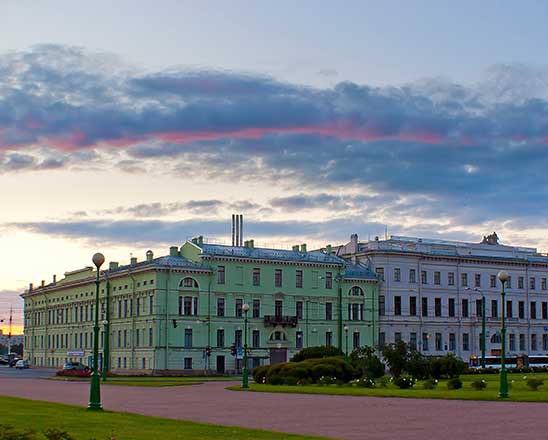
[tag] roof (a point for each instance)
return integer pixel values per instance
(162, 262)
(358, 271)
(269, 254)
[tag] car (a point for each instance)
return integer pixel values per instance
(13, 361)
(72, 366)
(3, 361)
(22, 364)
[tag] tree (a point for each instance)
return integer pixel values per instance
(418, 366)
(366, 362)
(396, 356)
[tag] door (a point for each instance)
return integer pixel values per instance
(220, 364)
(278, 355)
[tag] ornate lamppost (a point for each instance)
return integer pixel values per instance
(245, 378)
(346, 340)
(95, 392)
(503, 389)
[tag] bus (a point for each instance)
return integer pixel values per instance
(511, 361)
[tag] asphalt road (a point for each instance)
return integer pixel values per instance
(30, 373)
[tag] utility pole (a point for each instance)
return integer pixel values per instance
(9, 334)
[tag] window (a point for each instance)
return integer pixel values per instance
(278, 308)
(439, 342)
(509, 308)
(533, 307)
(278, 278)
(520, 282)
(478, 308)
(355, 312)
(397, 274)
(382, 305)
(464, 279)
(328, 311)
(521, 309)
(512, 342)
(452, 342)
(256, 339)
(382, 339)
(413, 305)
(221, 275)
(477, 280)
(238, 338)
(125, 309)
(356, 291)
(125, 338)
(137, 341)
(188, 363)
(413, 340)
(380, 273)
(494, 308)
(220, 307)
(397, 337)
(522, 342)
(437, 306)
(328, 338)
(451, 278)
(299, 309)
(545, 310)
(299, 340)
(425, 342)
(299, 279)
(545, 342)
(188, 282)
(424, 306)
(465, 342)
(493, 281)
(329, 280)
(220, 338)
(150, 304)
(532, 284)
(188, 337)
(534, 342)
(451, 308)
(465, 308)
(150, 337)
(412, 276)
(509, 283)
(356, 340)
(256, 308)
(238, 312)
(424, 277)
(543, 283)
(397, 305)
(437, 278)
(256, 276)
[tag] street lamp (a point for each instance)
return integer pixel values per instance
(245, 379)
(503, 389)
(482, 324)
(346, 340)
(104, 369)
(95, 392)
(106, 337)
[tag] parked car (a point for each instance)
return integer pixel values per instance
(13, 361)
(71, 366)
(3, 361)
(22, 364)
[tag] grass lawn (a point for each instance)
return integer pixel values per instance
(150, 381)
(518, 389)
(84, 425)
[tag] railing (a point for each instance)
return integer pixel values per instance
(280, 320)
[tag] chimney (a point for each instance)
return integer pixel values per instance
(112, 265)
(149, 255)
(241, 229)
(303, 247)
(328, 249)
(251, 244)
(173, 250)
(133, 261)
(43, 283)
(237, 242)
(233, 230)
(295, 248)
(54, 279)
(30, 287)
(200, 239)
(246, 243)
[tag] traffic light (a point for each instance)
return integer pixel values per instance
(174, 323)
(233, 349)
(208, 350)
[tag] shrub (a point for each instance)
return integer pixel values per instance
(383, 381)
(418, 366)
(447, 366)
(73, 373)
(327, 380)
(365, 382)
(366, 363)
(430, 384)
(291, 380)
(8, 432)
(304, 381)
(478, 384)
(404, 382)
(56, 434)
(322, 351)
(275, 379)
(259, 373)
(534, 384)
(454, 384)
(397, 357)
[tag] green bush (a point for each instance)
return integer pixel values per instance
(454, 384)
(327, 380)
(366, 363)
(418, 366)
(275, 379)
(56, 434)
(534, 384)
(322, 351)
(8, 432)
(430, 384)
(397, 356)
(478, 385)
(366, 382)
(404, 382)
(448, 366)
(291, 380)
(383, 381)
(259, 373)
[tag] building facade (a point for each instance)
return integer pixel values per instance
(166, 313)
(431, 294)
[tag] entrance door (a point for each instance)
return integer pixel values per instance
(220, 364)
(278, 355)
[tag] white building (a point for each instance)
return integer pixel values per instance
(15, 339)
(431, 293)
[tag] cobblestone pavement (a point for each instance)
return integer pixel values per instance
(346, 417)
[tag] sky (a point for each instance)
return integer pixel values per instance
(127, 126)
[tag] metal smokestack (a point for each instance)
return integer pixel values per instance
(241, 229)
(237, 230)
(233, 229)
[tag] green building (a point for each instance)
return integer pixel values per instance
(167, 313)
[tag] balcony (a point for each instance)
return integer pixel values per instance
(280, 320)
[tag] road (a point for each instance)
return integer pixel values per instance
(349, 417)
(30, 373)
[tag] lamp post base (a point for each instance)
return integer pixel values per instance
(503, 390)
(245, 379)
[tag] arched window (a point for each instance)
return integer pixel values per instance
(278, 336)
(356, 291)
(188, 283)
(496, 339)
